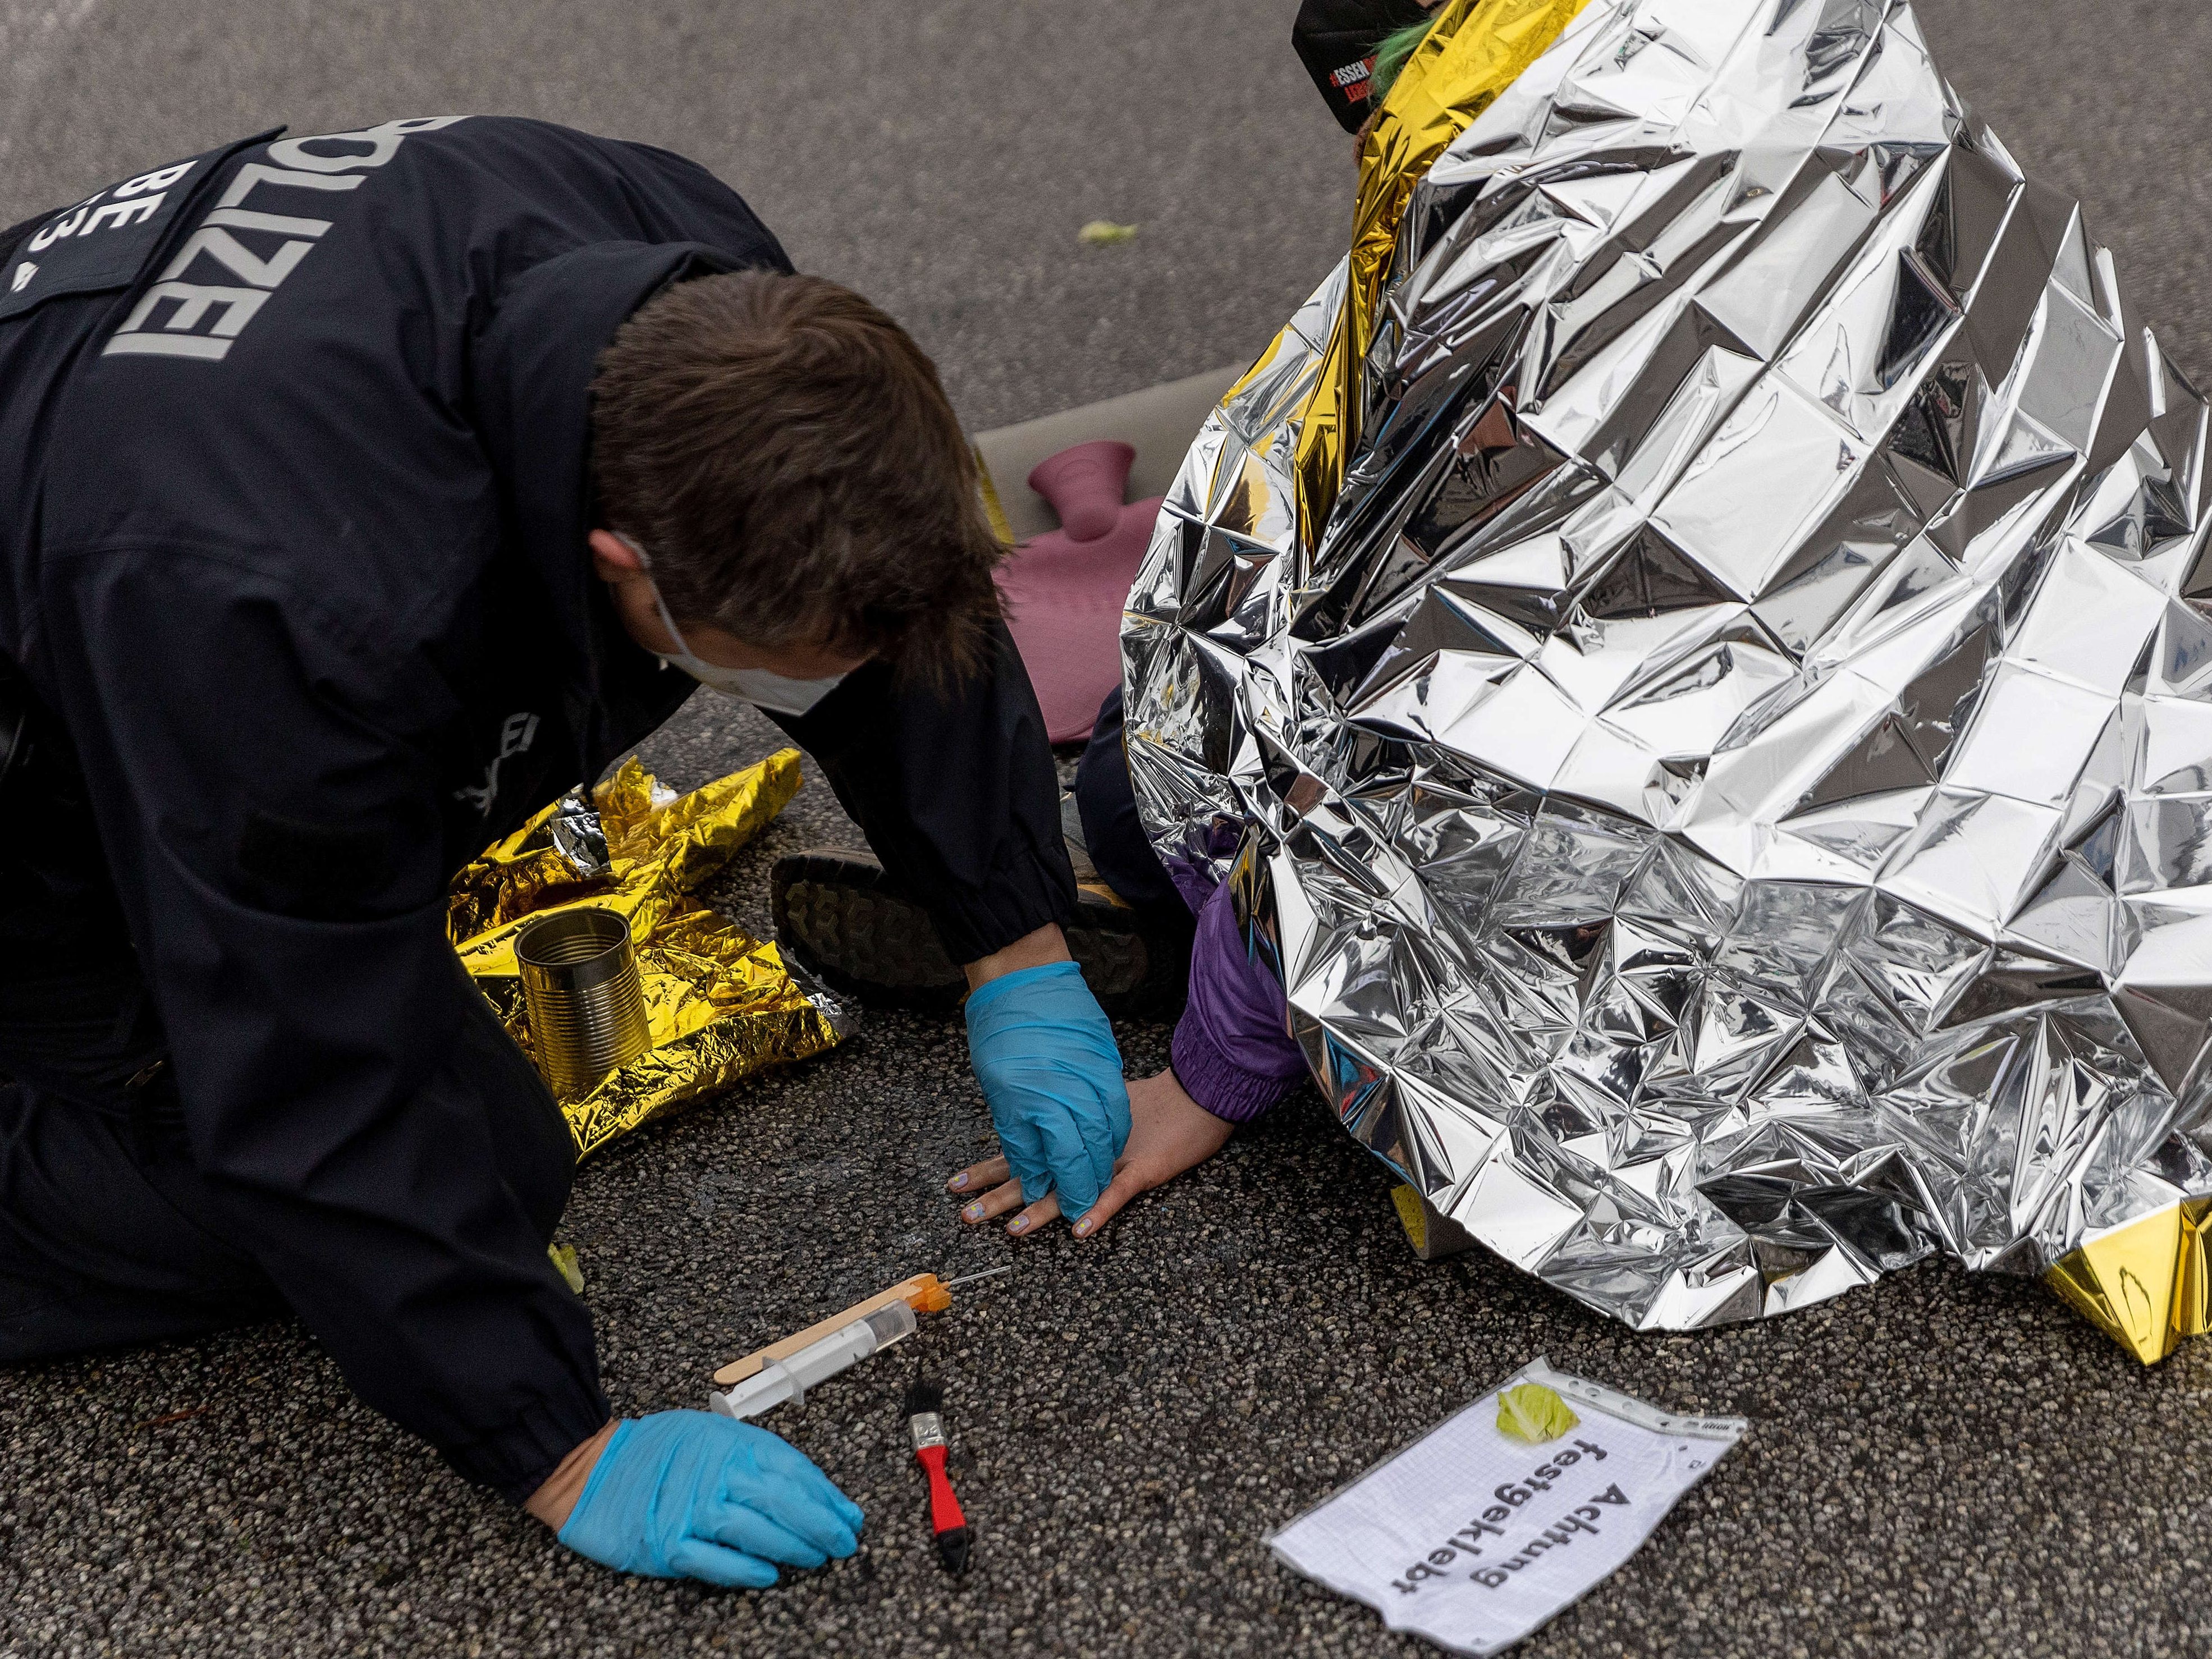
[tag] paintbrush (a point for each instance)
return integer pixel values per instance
(925, 1421)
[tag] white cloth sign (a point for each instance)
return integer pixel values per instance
(1474, 1540)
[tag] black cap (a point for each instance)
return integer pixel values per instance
(1336, 40)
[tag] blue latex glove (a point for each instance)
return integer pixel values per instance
(1045, 1057)
(691, 1495)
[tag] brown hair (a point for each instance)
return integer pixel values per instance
(784, 453)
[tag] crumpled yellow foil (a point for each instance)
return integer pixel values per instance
(1474, 51)
(720, 1004)
(2147, 1283)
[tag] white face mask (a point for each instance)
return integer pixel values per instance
(760, 687)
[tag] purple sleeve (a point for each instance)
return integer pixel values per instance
(1233, 1053)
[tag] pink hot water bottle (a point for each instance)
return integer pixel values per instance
(1065, 590)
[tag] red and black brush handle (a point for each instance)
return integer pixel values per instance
(946, 1521)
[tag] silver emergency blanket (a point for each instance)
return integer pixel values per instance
(1729, 791)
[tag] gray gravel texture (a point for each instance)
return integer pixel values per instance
(1939, 1466)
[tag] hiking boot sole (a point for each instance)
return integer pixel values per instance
(836, 912)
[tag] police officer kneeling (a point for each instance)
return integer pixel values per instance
(314, 448)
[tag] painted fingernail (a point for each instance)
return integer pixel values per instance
(973, 1212)
(1082, 1229)
(1021, 1226)
(957, 1182)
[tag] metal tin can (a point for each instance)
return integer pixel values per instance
(586, 1002)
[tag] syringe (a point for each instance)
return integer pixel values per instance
(785, 1370)
(790, 1377)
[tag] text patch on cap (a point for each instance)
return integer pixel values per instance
(101, 242)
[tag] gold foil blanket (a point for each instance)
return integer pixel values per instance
(720, 1004)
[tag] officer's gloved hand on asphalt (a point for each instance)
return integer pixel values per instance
(690, 1495)
(1045, 1054)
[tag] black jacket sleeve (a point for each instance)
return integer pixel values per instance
(956, 792)
(368, 1133)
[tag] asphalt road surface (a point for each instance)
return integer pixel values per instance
(1937, 1466)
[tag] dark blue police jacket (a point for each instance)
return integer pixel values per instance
(294, 437)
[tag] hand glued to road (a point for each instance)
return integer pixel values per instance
(1169, 1133)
